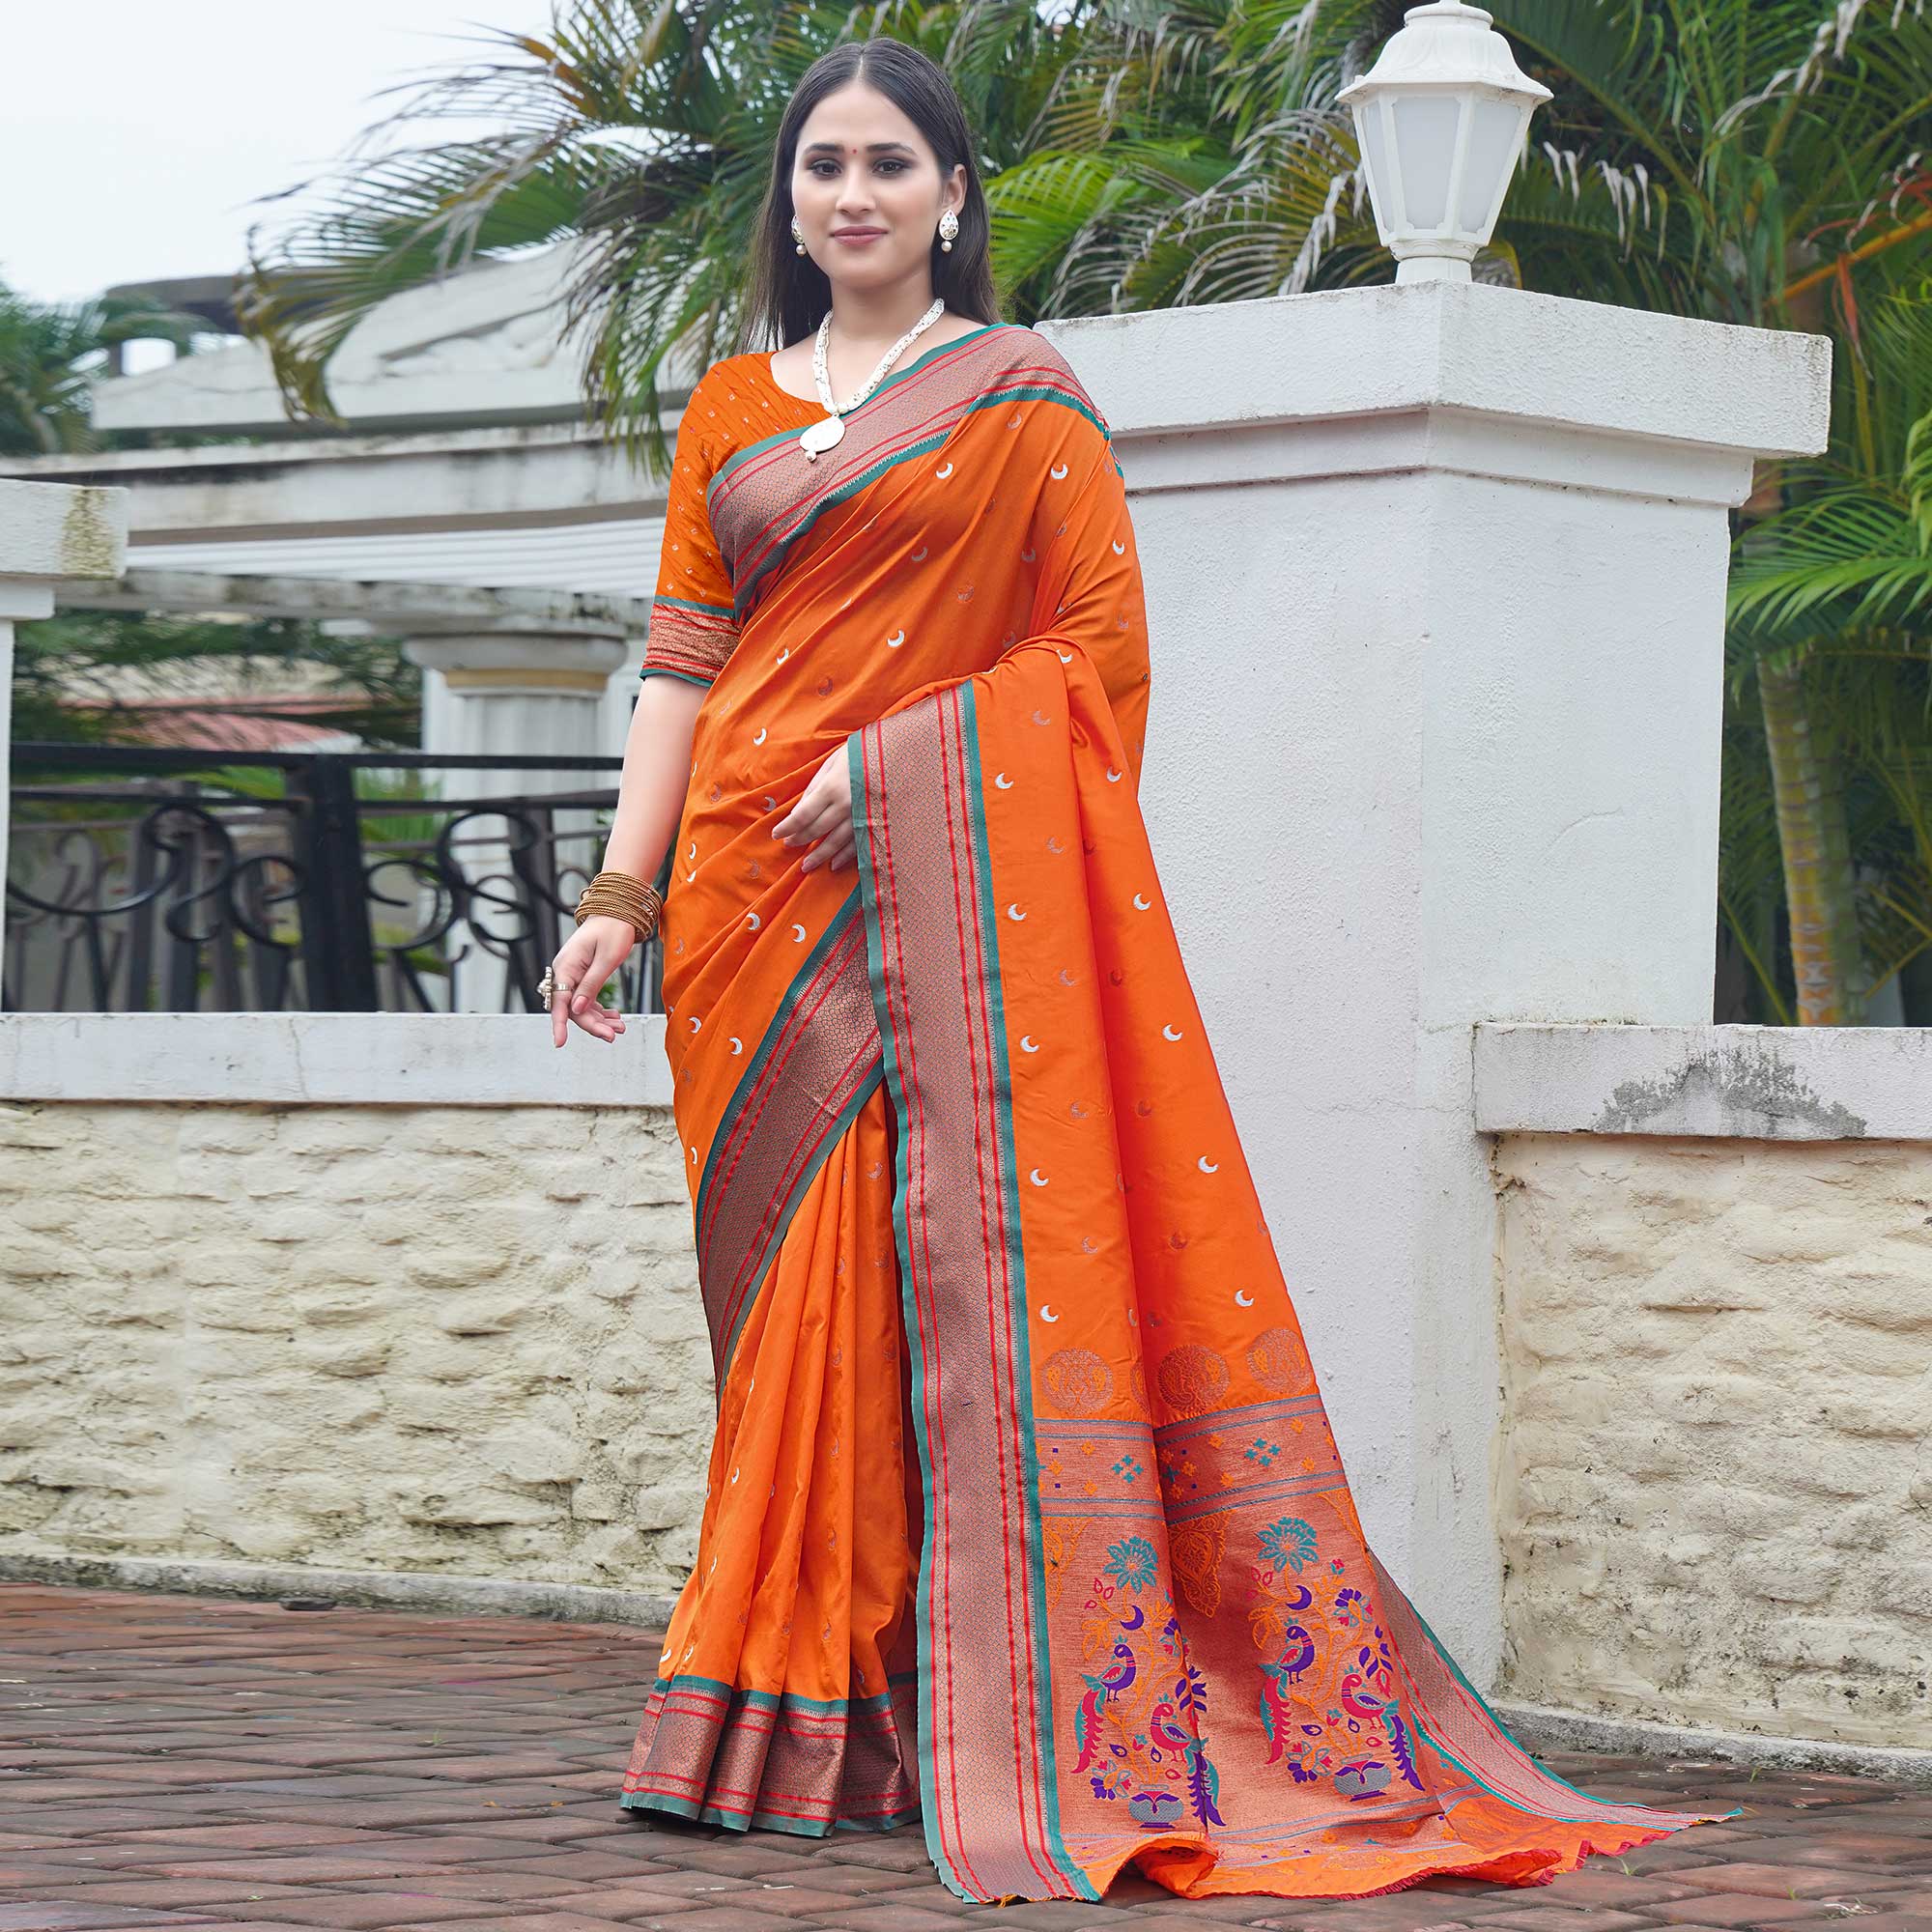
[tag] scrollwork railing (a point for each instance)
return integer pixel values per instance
(142, 879)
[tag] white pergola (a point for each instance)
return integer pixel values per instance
(469, 465)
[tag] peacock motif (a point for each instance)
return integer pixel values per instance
(1138, 1726)
(1342, 1721)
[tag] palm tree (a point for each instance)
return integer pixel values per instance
(641, 137)
(50, 354)
(1755, 162)
(1831, 601)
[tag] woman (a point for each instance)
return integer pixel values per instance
(1024, 1516)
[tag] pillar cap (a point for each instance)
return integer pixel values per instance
(1193, 373)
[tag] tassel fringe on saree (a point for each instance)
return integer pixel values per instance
(1024, 1516)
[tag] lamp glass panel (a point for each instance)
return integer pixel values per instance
(1371, 130)
(1494, 129)
(1425, 146)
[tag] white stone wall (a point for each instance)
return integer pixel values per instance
(426, 1338)
(1715, 1485)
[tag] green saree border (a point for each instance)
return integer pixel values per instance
(897, 377)
(891, 1061)
(742, 1698)
(744, 594)
(835, 928)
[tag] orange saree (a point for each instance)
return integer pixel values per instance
(1024, 1516)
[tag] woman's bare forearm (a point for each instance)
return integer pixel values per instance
(656, 774)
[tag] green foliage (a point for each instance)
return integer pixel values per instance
(101, 655)
(50, 354)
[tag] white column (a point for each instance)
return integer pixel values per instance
(48, 532)
(521, 693)
(1435, 584)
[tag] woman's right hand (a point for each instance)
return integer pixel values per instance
(583, 962)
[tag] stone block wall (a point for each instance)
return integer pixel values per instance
(422, 1338)
(1715, 1479)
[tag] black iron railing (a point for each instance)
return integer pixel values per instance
(147, 880)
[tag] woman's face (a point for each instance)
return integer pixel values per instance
(867, 191)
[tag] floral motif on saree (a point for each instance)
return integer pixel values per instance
(1024, 1513)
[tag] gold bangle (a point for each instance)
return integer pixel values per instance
(619, 895)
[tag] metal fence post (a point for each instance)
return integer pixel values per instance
(338, 940)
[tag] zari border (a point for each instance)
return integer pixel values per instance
(926, 889)
(812, 1072)
(884, 427)
(774, 1748)
(687, 639)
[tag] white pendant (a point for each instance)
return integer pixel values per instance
(821, 436)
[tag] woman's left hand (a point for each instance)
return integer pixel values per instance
(823, 813)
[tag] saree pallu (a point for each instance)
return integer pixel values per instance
(1024, 1515)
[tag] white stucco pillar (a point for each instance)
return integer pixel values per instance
(1435, 583)
(49, 532)
(516, 692)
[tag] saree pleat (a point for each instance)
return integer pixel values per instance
(1024, 1511)
(784, 1690)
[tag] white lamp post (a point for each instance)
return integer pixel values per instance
(1440, 119)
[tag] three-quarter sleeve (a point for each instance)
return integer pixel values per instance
(1089, 591)
(692, 628)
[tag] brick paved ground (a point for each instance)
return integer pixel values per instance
(187, 1762)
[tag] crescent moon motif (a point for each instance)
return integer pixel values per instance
(1113, 777)
(1058, 471)
(944, 474)
(797, 930)
(1003, 783)
(690, 877)
(1028, 1044)
(1047, 1314)
(1207, 1166)
(1120, 549)
(1013, 911)
(1064, 657)
(692, 853)
(694, 1156)
(1067, 978)
(1243, 1297)
(737, 1044)
(1040, 718)
(785, 652)
(1035, 1175)
(919, 556)
(1169, 1033)
(758, 736)
(897, 638)
(1026, 556)
(755, 920)
(1140, 900)
(695, 1023)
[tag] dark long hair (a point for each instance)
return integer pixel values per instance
(787, 294)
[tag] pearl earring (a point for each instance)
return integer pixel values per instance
(948, 227)
(798, 237)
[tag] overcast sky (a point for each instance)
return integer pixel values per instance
(134, 133)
